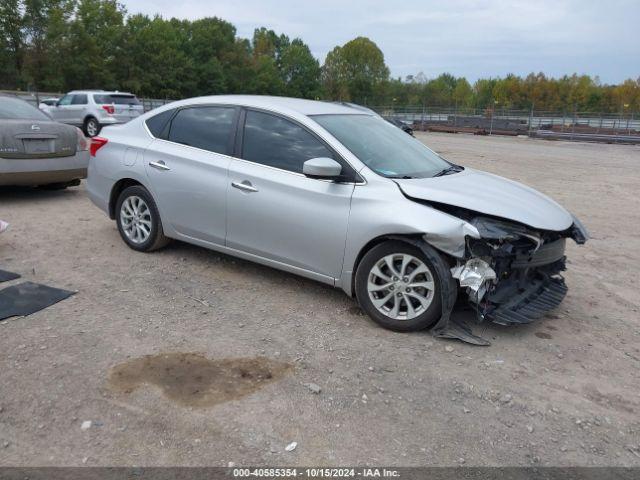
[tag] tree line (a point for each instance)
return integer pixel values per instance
(60, 45)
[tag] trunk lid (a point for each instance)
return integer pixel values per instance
(126, 107)
(492, 195)
(37, 139)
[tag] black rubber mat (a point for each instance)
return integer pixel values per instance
(6, 276)
(27, 298)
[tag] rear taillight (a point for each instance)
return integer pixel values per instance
(83, 142)
(110, 109)
(96, 144)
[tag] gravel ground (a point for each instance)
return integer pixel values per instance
(563, 391)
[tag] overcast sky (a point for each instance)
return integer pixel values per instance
(472, 38)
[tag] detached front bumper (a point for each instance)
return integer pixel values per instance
(518, 284)
(532, 303)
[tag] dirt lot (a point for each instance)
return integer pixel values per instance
(564, 391)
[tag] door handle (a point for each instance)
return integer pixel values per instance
(160, 165)
(244, 186)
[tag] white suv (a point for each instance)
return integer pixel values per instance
(93, 109)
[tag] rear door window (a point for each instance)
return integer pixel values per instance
(79, 100)
(208, 128)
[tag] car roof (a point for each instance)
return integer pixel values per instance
(101, 92)
(283, 104)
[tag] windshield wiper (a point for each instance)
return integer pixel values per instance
(449, 170)
(401, 177)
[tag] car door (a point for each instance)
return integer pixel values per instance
(77, 109)
(61, 112)
(188, 168)
(276, 212)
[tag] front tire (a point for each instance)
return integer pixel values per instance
(138, 220)
(91, 127)
(398, 287)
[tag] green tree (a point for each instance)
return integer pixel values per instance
(12, 43)
(210, 38)
(156, 64)
(46, 24)
(463, 93)
(300, 71)
(95, 45)
(355, 72)
(439, 91)
(266, 49)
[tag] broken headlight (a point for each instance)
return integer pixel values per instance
(476, 276)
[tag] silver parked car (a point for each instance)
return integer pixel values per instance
(339, 195)
(93, 109)
(34, 150)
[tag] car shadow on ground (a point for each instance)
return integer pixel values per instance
(332, 295)
(12, 195)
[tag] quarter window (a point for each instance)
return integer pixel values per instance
(208, 128)
(157, 123)
(276, 142)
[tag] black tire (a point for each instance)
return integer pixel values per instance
(427, 318)
(156, 238)
(91, 127)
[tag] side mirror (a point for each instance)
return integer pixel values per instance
(322, 168)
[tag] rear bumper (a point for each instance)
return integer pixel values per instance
(114, 119)
(109, 121)
(99, 187)
(42, 171)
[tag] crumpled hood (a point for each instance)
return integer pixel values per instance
(492, 195)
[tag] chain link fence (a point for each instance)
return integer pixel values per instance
(623, 127)
(34, 98)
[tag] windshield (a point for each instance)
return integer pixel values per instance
(383, 148)
(16, 109)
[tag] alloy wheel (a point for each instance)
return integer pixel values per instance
(400, 286)
(92, 128)
(135, 217)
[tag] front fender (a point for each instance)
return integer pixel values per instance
(380, 210)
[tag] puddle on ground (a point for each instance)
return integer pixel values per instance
(543, 335)
(193, 380)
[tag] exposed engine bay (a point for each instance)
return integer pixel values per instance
(512, 274)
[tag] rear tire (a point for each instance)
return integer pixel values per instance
(398, 287)
(138, 220)
(91, 127)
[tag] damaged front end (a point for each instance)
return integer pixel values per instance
(512, 273)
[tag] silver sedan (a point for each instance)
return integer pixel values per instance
(34, 150)
(334, 193)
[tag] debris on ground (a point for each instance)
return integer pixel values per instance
(291, 447)
(313, 387)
